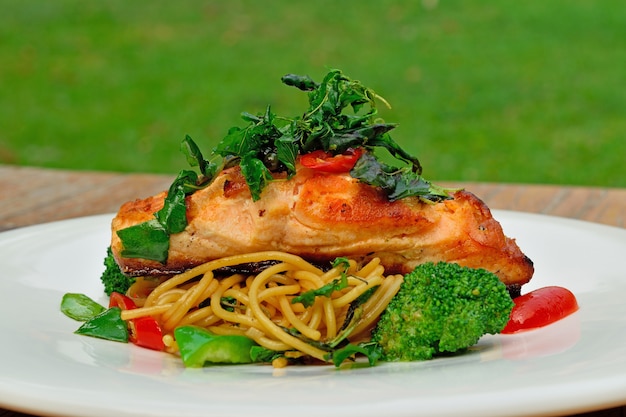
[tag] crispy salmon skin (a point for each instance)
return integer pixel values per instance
(322, 216)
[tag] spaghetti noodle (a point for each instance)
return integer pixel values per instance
(263, 306)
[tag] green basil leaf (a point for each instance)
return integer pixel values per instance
(409, 184)
(256, 174)
(397, 183)
(195, 158)
(249, 117)
(385, 141)
(361, 136)
(302, 82)
(80, 307)
(251, 139)
(371, 351)
(260, 354)
(287, 152)
(341, 261)
(173, 215)
(148, 240)
(307, 298)
(232, 143)
(370, 170)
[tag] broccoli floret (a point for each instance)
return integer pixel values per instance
(441, 308)
(112, 277)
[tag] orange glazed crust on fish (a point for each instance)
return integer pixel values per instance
(322, 216)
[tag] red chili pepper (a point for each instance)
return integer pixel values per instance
(326, 162)
(540, 307)
(143, 331)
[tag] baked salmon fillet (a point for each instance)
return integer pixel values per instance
(321, 216)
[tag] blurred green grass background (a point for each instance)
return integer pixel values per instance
(509, 91)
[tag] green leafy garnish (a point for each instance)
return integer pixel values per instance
(370, 350)
(307, 298)
(260, 354)
(398, 183)
(338, 348)
(148, 240)
(341, 262)
(342, 115)
(151, 239)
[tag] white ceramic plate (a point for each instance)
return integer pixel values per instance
(575, 365)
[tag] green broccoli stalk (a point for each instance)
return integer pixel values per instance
(441, 308)
(112, 277)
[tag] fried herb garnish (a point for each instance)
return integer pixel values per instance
(342, 115)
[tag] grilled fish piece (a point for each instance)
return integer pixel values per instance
(321, 216)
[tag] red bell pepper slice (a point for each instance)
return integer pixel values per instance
(143, 331)
(326, 162)
(146, 332)
(122, 301)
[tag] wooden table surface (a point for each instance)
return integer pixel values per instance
(33, 195)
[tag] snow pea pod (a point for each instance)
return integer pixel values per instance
(80, 307)
(199, 347)
(106, 325)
